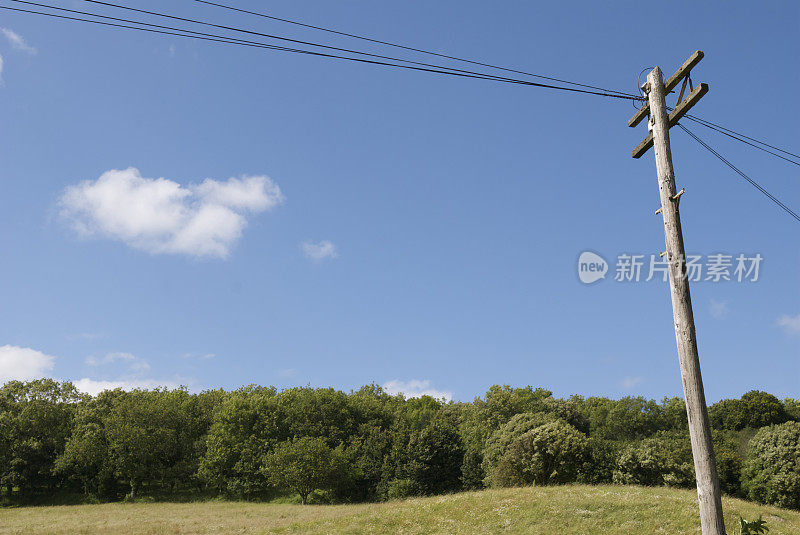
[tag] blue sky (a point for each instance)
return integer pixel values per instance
(335, 224)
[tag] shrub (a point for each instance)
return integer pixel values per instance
(665, 459)
(499, 442)
(552, 453)
(772, 468)
(397, 489)
(754, 527)
(599, 468)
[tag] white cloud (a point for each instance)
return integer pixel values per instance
(172, 51)
(159, 215)
(26, 364)
(415, 388)
(110, 357)
(790, 324)
(17, 41)
(23, 364)
(136, 366)
(319, 251)
(201, 356)
(630, 382)
(1, 69)
(94, 387)
(718, 309)
(139, 366)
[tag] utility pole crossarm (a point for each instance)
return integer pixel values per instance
(675, 116)
(669, 85)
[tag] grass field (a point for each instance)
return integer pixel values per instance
(568, 510)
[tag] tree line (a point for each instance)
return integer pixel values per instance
(322, 445)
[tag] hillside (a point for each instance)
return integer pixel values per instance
(573, 509)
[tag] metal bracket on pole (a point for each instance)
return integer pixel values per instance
(683, 87)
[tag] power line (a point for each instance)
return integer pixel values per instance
(271, 36)
(232, 41)
(738, 137)
(742, 174)
(703, 121)
(404, 47)
(708, 124)
(235, 41)
(309, 43)
(438, 69)
(242, 42)
(179, 32)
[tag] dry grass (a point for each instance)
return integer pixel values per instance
(569, 510)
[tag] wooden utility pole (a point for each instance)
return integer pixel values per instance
(705, 467)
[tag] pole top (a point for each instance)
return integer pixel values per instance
(669, 84)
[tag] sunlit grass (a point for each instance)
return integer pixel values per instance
(568, 510)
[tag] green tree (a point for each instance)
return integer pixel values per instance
(754, 409)
(85, 458)
(729, 461)
(673, 414)
(472, 474)
(251, 421)
(245, 427)
(602, 461)
(568, 410)
(366, 452)
(316, 412)
(165, 442)
(771, 472)
(629, 418)
(36, 419)
(142, 437)
(304, 465)
(763, 409)
(483, 417)
(378, 414)
(435, 454)
(552, 453)
(143, 431)
(792, 408)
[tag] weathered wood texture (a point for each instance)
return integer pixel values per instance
(708, 491)
(676, 115)
(669, 85)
